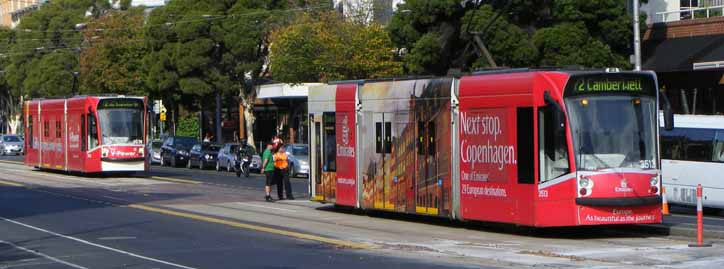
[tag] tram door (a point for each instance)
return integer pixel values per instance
(323, 143)
(315, 176)
(383, 196)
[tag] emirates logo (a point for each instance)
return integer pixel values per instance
(623, 187)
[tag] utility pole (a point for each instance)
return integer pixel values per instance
(637, 36)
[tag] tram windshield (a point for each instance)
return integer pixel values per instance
(613, 132)
(613, 120)
(121, 121)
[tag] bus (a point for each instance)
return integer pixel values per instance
(691, 154)
(531, 148)
(86, 134)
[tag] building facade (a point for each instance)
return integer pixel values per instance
(368, 11)
(684, 44)
(12, 10)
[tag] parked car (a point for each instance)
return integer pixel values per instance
(175, 150)
(11, 144)
(154, 150)
(299, 159)
(227, 156)
(203, 155)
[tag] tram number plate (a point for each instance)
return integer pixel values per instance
(686, 195)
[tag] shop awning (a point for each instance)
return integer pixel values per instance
(282, 90)
(680, 54)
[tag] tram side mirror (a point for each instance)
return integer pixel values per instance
(668, 113)
(559, 116)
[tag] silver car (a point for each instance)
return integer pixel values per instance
(299, 159)
(11, 144)
(154, 150)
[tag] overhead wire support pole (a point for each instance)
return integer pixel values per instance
(637, 36)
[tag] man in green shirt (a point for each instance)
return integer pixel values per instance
(267, 160)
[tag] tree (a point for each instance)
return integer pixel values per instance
(327, 47)
(111, 62)
(439, 34)
(198, 48)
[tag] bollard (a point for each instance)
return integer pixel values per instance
(699, 220)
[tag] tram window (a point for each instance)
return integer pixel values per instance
(46, 129)
(388, 138)
(58, 129)
(330, 142)
(525, 145)
(420, 138)
(718, 149)
(699, 145)
(378, 137)
(83, 142)
(553, 149)
(431, 139)
(92, 131)
(672, 147)
(30, 131)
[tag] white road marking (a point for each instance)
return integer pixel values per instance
(267, 207)
(117, 238)
(97, 245)
(43, 255)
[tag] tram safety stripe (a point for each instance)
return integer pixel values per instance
(327, 240)
(177, 180)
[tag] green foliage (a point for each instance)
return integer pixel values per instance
(570, 44)
(188, 126)
(112, 61)
(200, 47)
(439, 34)
(329, 48)
(44, 48)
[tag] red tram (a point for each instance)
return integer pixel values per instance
(88, 134)
(534, 148)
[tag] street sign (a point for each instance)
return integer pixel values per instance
(162, 117)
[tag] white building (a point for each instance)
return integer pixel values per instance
(367, 11)
(675, 10)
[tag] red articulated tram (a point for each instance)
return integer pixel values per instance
(532, 148)
(86, 134)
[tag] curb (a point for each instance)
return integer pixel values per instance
(682, 231)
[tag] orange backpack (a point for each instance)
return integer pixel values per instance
(280, 160)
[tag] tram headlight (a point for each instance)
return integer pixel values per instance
(654, 181)
(584, 182)
(104, 152)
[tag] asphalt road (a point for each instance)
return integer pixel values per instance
(680, 214)
(45, 230)
(180, 218)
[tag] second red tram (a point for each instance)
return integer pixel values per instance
(534, 148)
(88, 134)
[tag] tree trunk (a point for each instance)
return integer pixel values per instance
(248, 102)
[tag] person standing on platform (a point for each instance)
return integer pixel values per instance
(281, 169)
(268, 170)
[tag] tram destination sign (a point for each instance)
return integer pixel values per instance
(120, 103)
(611, 84)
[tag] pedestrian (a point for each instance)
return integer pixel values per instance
(268, 170)
(277, 141)
(281, 169)
(207, 138)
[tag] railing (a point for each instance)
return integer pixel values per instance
(692, 13)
